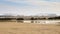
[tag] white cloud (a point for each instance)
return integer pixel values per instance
(40, 7)
(29, 10)
(14, 10)
(35, 2)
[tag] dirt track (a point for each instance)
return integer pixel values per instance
(26, 28)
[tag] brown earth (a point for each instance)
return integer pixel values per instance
(27, 28)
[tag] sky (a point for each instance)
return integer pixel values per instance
(29, 7)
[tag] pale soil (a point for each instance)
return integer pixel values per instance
(26, 28)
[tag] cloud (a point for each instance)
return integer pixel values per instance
(29, 10)
(35, 2)
(50, 0)
(35, 6)
(15, 10)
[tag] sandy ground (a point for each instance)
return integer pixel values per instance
(27, 28)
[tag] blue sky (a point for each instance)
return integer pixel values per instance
(29, 7)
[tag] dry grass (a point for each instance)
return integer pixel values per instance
(26, 28)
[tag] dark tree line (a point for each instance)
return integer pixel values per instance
(55, 18)
(5, 19)
(32, 18)
(20, 19)
(37, 18)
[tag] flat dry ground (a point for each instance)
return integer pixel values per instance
(26, 28)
